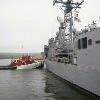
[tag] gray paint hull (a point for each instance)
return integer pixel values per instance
(87, 78)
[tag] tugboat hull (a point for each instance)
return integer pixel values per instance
(29, 66)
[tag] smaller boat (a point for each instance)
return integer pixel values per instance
(24, 62)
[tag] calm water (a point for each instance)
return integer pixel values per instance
(37, 84)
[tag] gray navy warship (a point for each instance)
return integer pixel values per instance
(75, 55)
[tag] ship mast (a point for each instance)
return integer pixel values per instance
(68, 6)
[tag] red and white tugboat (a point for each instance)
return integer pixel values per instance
(24, 62)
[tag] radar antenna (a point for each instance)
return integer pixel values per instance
(69, 4)
(59, 19)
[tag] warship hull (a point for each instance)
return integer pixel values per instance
(87, 78)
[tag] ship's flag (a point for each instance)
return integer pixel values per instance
(76, 16)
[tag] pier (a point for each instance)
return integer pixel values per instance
(5, 67)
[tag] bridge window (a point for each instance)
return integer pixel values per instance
(79, 44)
(90, 42)
(97, 42)
(84, 43)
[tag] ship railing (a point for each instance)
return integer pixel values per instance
(89, 28)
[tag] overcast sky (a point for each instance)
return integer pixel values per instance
(26, 25)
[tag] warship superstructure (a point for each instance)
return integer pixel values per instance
(75, 55)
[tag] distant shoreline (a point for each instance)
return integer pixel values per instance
(17, 55)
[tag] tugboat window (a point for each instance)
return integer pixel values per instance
(84, 42)
(90, 42)
(79, 44)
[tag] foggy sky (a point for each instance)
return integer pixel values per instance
(26, 25)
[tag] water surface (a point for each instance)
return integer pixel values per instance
(36, 84)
